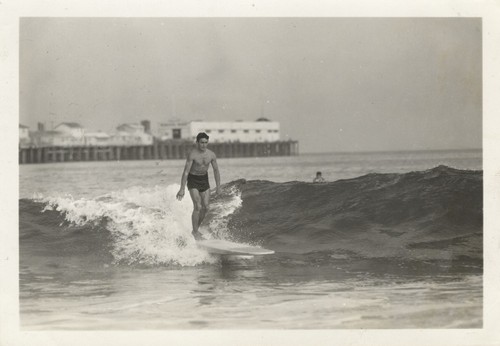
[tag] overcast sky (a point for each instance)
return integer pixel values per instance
(334, 84)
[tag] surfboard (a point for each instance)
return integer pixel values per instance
(224, 247)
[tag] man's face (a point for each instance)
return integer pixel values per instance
(202, 144)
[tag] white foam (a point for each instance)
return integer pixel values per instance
(148, 225)
(222, 210)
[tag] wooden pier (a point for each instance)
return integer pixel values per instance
(160, 150)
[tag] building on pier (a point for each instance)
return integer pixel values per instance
(131, 134)
(261, 130)
(73, 130)
(98, 138)
(64, 135)
(24, 136)
(71, 142)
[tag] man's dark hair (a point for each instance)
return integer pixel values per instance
(318, 173)
(201, 135)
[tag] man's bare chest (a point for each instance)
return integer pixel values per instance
(202, 160)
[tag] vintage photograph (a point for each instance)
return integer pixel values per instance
(262, 173)
(250, 173)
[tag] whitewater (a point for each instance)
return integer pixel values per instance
(391, 240)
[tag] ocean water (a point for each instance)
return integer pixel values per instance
(391, 240)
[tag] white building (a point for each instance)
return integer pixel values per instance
(64, 135)
(97, 138)
(131, 134)
(73, 129)
(55, 139)
(68, 134)
(261, 130)
(24, 136)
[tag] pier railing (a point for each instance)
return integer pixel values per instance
(160, 150)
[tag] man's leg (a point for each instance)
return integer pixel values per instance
(205, 200)
(195, 217)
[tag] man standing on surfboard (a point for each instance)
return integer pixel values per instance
(196, 176)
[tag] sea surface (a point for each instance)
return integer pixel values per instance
(391, 240)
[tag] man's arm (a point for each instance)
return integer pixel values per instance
(185, 173)
(215, 166)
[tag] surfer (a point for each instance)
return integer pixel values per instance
(195, 174)
(319, 178)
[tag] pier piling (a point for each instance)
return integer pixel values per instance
(159, 150)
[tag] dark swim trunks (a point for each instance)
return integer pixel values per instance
(198, 182)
